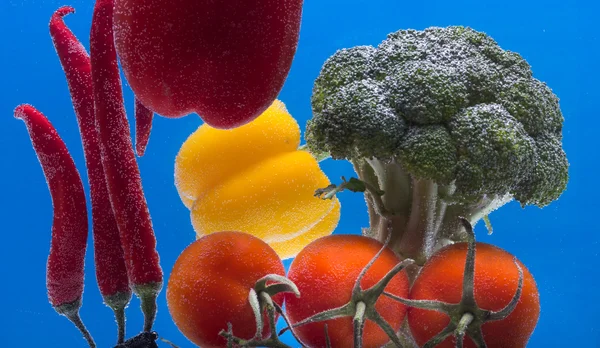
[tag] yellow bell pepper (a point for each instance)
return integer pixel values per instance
(254, 179)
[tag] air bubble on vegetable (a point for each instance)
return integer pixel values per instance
(254, 179)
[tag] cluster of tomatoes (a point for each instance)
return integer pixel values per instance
(350, 290)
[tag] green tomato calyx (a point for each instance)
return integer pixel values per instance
(466, 317)
(260, 298)
(362, 305)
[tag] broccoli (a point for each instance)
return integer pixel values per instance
(446, 124)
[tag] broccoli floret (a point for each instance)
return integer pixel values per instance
(445, 123)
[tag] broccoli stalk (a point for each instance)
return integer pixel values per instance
(416, 211)
(438, 124)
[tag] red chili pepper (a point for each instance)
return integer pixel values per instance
(111, 273)
(65, 269)
(143, 126)
(120, 166)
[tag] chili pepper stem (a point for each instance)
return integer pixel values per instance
(120, 318)
(71, 312)
(118, 302)
(148, 293)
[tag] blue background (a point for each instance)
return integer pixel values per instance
(559, 244)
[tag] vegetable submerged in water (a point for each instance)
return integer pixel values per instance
(224, 60)
(111, 272)
(439, 123)
(341, 297)
(65, 270)
(120, 167)
(497, 305)
(210, 285)
(218, 172)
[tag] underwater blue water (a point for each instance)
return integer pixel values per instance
(559, 244)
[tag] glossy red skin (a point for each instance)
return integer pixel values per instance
(65, 269)
(108, 254)
(325, 272)
(120, 166)
(224, 60)
(210, 283)
(496, 280)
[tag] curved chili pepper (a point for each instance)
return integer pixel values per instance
(120, 166)
(111, 273)
(143, 126)
(65, 268)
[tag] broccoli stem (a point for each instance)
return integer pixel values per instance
(420, 233)
(409, 208)
(419, 213)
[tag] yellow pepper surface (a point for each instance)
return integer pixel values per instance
(254, 179)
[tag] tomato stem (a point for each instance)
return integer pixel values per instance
(273, 341)
(260, 298)
(359, 323)
(228, 335)
(468, 293)
(327, 339)
(256, 308)
(466, 317)
(461, 328)
(440, 337)
(288, 322)
(399, 339)
(362, 304)
(282, 284)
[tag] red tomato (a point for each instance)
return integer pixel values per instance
(325, 272)
(225, 60)
(210, 283)
(496, 281)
